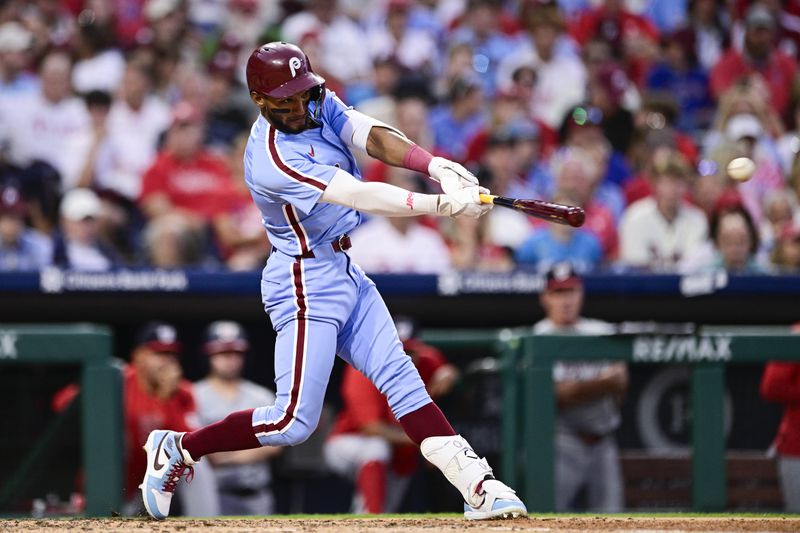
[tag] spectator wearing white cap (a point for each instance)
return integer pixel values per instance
(78, 247)
(15, 60)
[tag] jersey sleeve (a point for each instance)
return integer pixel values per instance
(334, 112)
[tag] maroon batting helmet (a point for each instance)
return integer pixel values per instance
(280, 69)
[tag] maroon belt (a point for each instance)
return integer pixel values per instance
(339, 245)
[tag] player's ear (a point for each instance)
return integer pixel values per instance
(259, 99)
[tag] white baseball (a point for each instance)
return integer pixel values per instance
(741, 168)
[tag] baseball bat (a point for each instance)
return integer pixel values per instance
(558, 213)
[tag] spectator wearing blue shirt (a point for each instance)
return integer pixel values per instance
(554, 243)
(481, 31)
(679, 75)
(21, 248)
(456, 123)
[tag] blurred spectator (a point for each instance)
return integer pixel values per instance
(582, 127)
(229, 113)
(758, 62)
(633, 38)
(155, 395)
(39, 125)
(186, 180)
(16, 61)
(78, 246)
(786, 253)
(381, 101)
(413, 49)
(170, 241)
(50, 22)
(166, 25)
(87, 144)
(709, 27)
(343, 49)
(21, 248)
(659, 231)
(780, 383)
(456, 122)
(746, 132)
(780, 209)
(733, 246)
(239, 233)
(480, 29)
(608, 86)
(552, 56)
(393, 244)
(556, 243)
(243, 477)
(499, 172)
(588, 396)
(577, 175)
(99, 66)
(679, 76)
(789, 143)
(472, 248)
(367, 445)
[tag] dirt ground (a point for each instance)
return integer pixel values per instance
(407, 525)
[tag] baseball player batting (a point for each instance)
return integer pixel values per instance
(304, 179)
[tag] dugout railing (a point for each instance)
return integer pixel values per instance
(529, 407)
(90, 347)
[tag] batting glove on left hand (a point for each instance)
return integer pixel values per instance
(464, 202)
(450, 175)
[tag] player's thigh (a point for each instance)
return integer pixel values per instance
(369, 342)
(346, 453)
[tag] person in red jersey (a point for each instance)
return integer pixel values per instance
(781, 384)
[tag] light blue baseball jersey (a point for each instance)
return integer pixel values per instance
(320, 305)
(287, 173)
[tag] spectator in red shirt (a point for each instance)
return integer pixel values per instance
(188, 182)
(781, 384)
(155, 395)
(633, 38)
(367, 444)
(758, 63)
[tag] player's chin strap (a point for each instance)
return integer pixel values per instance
(317, 97)
(460, 465)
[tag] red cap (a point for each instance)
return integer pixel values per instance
(159, 337)
(562, 276)
(11, 201)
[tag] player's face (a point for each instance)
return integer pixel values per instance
(227, 365)
(563, 306)
(290, 114)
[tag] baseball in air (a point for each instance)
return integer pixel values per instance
(741, 169)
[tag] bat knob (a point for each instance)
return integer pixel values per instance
(576, 216)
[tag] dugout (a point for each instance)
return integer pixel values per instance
(469, 303)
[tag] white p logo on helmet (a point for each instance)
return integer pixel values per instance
(294, 64)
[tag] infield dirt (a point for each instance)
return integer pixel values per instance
(406, 525)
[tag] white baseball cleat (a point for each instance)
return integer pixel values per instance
(500, 501)
(485, 498)
(167, 462)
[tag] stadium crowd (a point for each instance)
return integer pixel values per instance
(123, 124)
